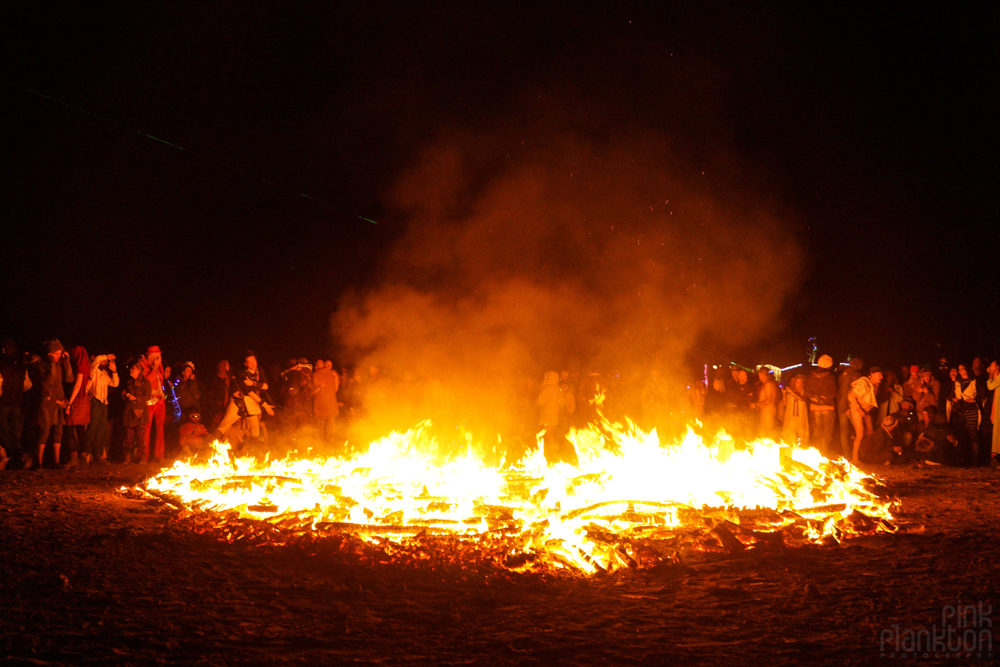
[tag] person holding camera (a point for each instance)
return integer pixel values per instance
(103, 374)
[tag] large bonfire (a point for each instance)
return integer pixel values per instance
(631, 501)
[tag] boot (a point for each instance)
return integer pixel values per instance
(74, 460)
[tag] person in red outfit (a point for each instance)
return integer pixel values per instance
(152, 368)
(78, 410)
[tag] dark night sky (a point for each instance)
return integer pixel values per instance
(876, 129)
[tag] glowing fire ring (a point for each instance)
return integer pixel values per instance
(633, 504)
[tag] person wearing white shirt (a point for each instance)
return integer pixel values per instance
(861, 401)
(103, 375)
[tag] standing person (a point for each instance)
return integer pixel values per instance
(14, 376)
(795, 430)
(152, 367)
(768, 395)
(189, 391)
(890, 395)
(951, 415)
(78, 410)
(54, 369)
(845, 379)
(911, 388)
(591, 394)
(353, 394)
(551, 403)
(218, 392)
(103, 374)
(173, 406)
(248, 395)
(967, 409)
(980, 376)
(741, 397)
(993, 384)
(326, 383)
(568, 416)
(929, 392)
(135, 442)
(821, 391)
(862, 401)
(984, 401)
(296, 391)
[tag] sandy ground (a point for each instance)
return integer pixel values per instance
(90, 577)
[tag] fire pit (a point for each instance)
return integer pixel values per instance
(632, 501)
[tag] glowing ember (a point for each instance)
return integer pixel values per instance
(631, 502)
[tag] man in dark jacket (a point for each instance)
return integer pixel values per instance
(54, 370)
(189, 391)
(821, 391)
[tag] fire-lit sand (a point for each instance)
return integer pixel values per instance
(688, 552)
(630, 502)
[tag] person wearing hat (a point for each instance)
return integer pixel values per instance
(879, 447)
(862, 401)
(152, 365)
(54, 370)
(821, 392)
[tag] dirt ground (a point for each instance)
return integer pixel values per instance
(90, 577)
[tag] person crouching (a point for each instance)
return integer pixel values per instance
(193, 435)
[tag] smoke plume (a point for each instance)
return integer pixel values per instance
(614, 254)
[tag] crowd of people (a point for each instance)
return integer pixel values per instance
(941, 415)
(65, 407)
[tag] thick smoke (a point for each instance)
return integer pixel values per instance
(573, 252)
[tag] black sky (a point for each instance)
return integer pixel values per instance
(874, 128)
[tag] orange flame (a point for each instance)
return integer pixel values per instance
(628, 489)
